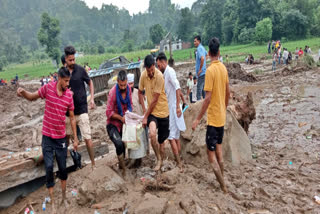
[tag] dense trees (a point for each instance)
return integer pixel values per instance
(263, 31)
(48, 36)
(156, 33)
(293, 19)
(113, 29)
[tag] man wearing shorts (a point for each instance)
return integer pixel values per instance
(176, 120)
(216, 101)
(79, 76)
(157, 114)
(58, 102)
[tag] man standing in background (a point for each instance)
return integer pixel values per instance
(200, 66)
(79, 77)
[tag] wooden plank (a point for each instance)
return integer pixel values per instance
(25, 170)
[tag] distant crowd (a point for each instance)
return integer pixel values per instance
(13, 81)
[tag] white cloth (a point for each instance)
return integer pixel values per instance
(190, 84)
(194, 93)
(285, 54)
(130, 78)
(171, 84)
(130, 130)
(136, 149)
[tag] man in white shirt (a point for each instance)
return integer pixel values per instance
(285, 56)
(176, 120)
(189, 87)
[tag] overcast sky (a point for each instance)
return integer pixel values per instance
(134, 6)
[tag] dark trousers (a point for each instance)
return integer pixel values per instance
(58, 148)
(116, 138)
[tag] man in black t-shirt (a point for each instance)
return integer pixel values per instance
(79, 77)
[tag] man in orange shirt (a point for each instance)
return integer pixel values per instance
(216, 101)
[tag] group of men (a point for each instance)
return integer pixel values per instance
(66, 106)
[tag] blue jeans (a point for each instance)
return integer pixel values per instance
(200, 87)
(279, 60)
(273, 65)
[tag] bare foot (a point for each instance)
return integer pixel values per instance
(124, 173)
(224, 189)
(53, 209)
(180, 167)
(93, 167)
(158, 166)
(64, 203)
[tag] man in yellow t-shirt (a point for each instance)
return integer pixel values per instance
(157, 114)
(216, 101)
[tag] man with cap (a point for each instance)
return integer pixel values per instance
(119, 101)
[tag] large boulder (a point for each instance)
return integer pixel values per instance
(236, 144)
(98, 185)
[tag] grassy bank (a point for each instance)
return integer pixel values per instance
(237, 53)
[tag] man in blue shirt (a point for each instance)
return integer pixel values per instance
(200, 66)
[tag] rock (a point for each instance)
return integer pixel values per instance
(235, 71)
(107, 181)
(117, 206)
(171, 177)
(236, 144)
(151, 202)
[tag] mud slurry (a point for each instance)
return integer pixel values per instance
(282, 178)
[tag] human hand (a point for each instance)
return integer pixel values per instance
(179, 113)
(20, 91)
(195, 124)
(75, 144)
(92, 104)
(144, 122)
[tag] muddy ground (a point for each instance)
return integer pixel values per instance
(283, 177)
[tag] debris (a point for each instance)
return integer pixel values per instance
(185, 108)
(290, 162)
(27, 210)
(317, 199)
(125, 211)
(47, 199)
(301, 124)
(74, 192)
(153, 185)
(309, 136)
(28, 149)
(254, 156)
(235, 71)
